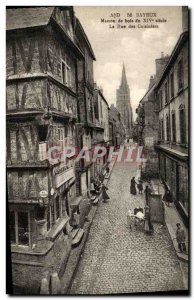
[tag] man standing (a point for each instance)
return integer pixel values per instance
(180, 237)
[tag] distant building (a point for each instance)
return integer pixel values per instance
(116, 127)
(123, 104)
(101, 111)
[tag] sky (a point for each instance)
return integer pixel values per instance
(136, 48)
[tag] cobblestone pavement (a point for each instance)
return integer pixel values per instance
(119, 260)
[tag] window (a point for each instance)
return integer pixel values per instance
(61, 135)
(167, 128)
(12, 227)
(173, 127)
(67, 21)
(166, 92)
(90, 109)
(63, 141)
(54, 212)
(86, 60)
(96, 111)
(162, 166)
(161, 130)
(172, 85)
(160, 99)
(182, 123)
(19, 228)
(57, 207)
(171, 176)
(183, 187)
(101, 109)
(48, 219)
(180, 74)
(66, 73)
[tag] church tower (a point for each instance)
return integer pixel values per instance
(124, 104)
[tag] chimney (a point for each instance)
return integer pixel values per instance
(160, 64)
(101, 90)
(152, 81)
(185, 18)
(95, 86)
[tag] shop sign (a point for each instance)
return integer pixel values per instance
(63, 177)
(43, 194)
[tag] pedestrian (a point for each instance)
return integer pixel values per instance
(167, 197)
(140, 187)
(132, 187)
(104, 193)
(101, 177)
(147, 218)
(97, 185)
(180, 237)
(107, 170)
(148, 226)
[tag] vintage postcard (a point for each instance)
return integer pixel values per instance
(97, 144)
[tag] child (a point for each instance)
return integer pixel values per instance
(180, 237)
(140, 187)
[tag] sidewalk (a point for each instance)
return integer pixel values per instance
(172, 217)
(73, 259)
(111, 166)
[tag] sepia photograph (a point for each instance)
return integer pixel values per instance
(97, 150)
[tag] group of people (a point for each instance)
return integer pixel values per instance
(133, 190)
(98, 186)
(167, 198)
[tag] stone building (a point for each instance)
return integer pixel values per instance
(116, 127)
(146, 125)
(101, 110)
(86, 121)
(162, 121)
(91, 115)
(46, 61)
(123, 104)
(172, 92)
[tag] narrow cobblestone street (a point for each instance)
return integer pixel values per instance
(119, 260)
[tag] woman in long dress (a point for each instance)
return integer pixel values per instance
(104, 193)
(132, 187)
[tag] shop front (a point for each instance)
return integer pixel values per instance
(174, 173)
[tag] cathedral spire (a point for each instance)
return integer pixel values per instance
(124, 78)
(124, 104)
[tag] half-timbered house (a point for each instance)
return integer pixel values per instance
(41, 101)
(90, 130)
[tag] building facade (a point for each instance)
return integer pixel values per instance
(123, 104)
(116, 127)
(146, 127)
(93, 109)
(172, 92)
(50, 105)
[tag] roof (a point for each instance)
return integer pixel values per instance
(78, 24)
(149, 91)
(18, 18)
(102, 96)
(182, 39)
